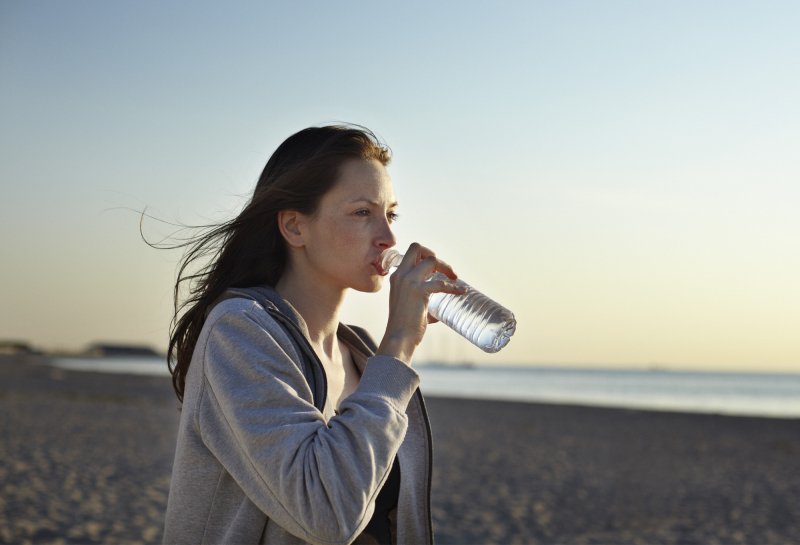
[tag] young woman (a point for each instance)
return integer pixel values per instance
(296, 428)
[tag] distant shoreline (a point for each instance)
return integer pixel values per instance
(552, 386)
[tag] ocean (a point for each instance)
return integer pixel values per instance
(774, 395)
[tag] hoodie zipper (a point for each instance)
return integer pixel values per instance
(424, 411)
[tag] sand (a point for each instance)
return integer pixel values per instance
(86, 458)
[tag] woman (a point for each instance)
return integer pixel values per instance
(296, 428)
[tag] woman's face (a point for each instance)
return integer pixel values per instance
(345, 237)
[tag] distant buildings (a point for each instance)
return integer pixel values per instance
(120, 350)
(16, 348)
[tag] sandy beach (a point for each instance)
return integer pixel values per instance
(86, 458)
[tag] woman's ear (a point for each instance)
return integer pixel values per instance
(289, 223)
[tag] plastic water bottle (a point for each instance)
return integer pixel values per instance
(485, 323)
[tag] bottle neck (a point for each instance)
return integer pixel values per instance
(390, 259)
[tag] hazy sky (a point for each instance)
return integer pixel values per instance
(623, 175)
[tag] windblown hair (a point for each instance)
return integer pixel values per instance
(249, 250)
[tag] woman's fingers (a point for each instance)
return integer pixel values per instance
(442, 284)
(419, 275)
(421, 262)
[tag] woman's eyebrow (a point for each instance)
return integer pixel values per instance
(373, 202)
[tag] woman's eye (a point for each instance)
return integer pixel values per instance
(365, 213)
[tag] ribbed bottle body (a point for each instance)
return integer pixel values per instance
(485, 323)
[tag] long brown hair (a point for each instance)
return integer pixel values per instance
(249, 250)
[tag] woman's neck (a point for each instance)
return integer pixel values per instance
(318, 305)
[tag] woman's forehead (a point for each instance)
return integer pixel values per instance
(366, 181)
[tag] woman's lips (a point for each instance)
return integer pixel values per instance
(378, 267)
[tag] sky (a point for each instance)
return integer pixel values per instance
(622, 175)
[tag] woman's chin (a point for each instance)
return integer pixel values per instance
(373, 286)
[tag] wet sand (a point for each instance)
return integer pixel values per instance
(86, 458)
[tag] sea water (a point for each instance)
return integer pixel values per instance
(753, 394)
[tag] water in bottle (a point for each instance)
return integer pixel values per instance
(485, 323)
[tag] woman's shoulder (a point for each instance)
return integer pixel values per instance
(238, 332)
(233, 305)
(240, 314)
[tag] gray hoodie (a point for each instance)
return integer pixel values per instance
(256, 462)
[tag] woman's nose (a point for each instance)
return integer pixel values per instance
(386, 238)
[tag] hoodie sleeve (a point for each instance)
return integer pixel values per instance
(316, 479)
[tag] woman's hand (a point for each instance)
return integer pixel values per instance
(411, 287)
